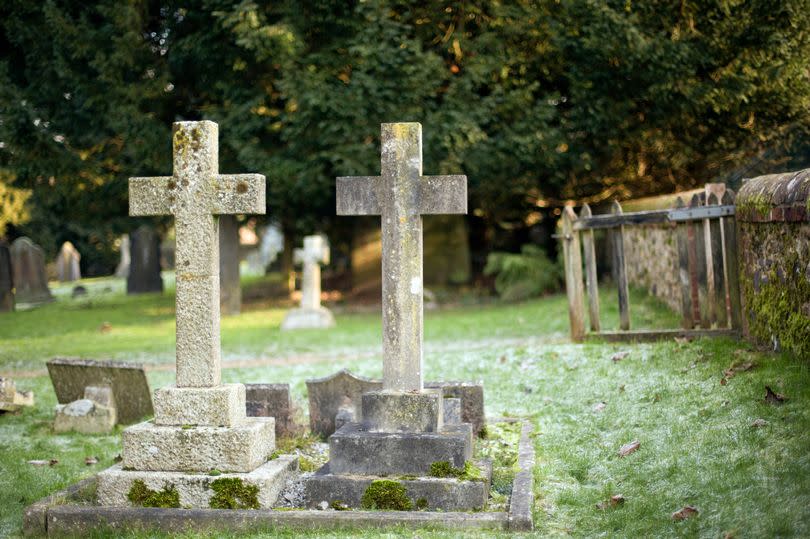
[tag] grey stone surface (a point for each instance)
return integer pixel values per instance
(35, 516)
(439, 494)
(311, 315)
(400, 411)
(306, 318)
(328, 395)
(272, 400)
(143, 273)
(401, 194)
(240, 448)
(102, 395)
(230, 290)
(195, 490)
(28, 266)
(195, 195)
(452, 410)
(355, 451)
(84, 416)
(6, 279)
(521, 501)
(221, 406)
(472, 400)
(133, 400)
(12, 400)
(122, 269)
(67, 263)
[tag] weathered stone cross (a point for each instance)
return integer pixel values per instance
(400, 195)
(314, 253)
(195, 195)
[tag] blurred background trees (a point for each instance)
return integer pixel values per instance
(538, 102)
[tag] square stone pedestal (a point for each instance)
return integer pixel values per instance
(253, 490)
(308, 318)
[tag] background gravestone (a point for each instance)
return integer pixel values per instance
(144, 269)
(6, 280)
(130, 388)
(28, 265)
(329, 394)
(230, 292)
(122, 269)
(67, 263)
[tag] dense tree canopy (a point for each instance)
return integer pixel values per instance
(536, 101)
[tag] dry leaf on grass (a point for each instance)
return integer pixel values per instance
(627, 449)
(757, 423)
(683, 340)
(91, 460)
(685, 512)
(105, 327)
(50, 462)
(735, 368)
(773, 398)
(618, 356)
(614, 501)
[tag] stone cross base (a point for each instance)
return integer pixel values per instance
(94, 414)
(257, 489)
(12, 400)
(308, 318)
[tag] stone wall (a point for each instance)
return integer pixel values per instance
(773, 214)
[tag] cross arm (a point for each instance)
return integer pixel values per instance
(443, 194)
(150, 196)
(239, 193)
(357, 195)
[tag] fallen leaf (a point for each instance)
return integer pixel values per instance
(618, 356)
(627, 449)
(599, 406)
(503, 359)
(621, 388)
(686, 511)
(50, 462)
(105, 327)
(757, 423)
(773, 398)
(735, 368)
(614, 501)
(683, 340)
(723, 381)
(91, 460)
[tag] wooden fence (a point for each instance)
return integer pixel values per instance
(706, 235)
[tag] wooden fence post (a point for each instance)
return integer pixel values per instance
(682, 237)
(732, 268)
(572, 258)
(591, 281)
(701, 269)
(621, 270)
(718, 301)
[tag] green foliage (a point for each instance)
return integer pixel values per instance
(525, 275)
(233, 493)
(140, 494)
(386, 495)
(445, 469)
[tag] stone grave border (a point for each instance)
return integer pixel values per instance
(70, 512)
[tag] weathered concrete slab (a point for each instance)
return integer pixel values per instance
(401, 411)
(221, 406)
(94, 414)
(328, 395)
(472, 400)
(195, 490)
(353, 450)
(436, 494)
(133, 399)
(452, 410)
(12, 400)
(522, 500)
(28, 265)
(239, 448)
(272, 400)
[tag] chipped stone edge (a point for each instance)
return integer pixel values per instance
(522, 499)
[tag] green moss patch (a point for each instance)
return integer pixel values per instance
(233, 493)
(469, 472)
(140, 494)
(386, 495)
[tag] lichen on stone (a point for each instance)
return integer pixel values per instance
(140, 494)
(444, 469)
(386, 495)
(233, 493)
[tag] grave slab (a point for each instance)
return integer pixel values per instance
(221, 406)
(402, 411)
(94, 414)
(12, 400)
(339, 392)
(28, 266)
(472, 400)
(272, 400)
(6, 279)
(143, 261)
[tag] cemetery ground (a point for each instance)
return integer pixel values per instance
(707, 436)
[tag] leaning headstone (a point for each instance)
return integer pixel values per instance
(127, 382)
(6, 280)
(67, 264)
(144, 267)
(311, 314)
(94, 414)
(122, 269)
(28, 264)
(272, 400)
(200, 424)
(338, 393)
(403, 431)
(230, 292)
(12, 400)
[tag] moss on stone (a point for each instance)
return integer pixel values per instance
(306, 465)
(385, 494)
(233, 493)
(421, 503)
(338, 505)
(468, 472)
(749, 207)
(140, 494)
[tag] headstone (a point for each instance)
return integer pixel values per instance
(311, 314)
(402, 432)
(28, 265)
(122, 269)
(12, 400)
(471, 398)
(67, 263)
(338, 393)
(94, 414)
(6, 280)
(230, 292)
(272, 400)
(200, 424)
(131, 396)
(144, 267)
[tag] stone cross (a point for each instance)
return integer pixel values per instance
(401, 195)
(195, 195)
(314, 253)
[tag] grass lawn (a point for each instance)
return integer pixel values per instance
(697, 443)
